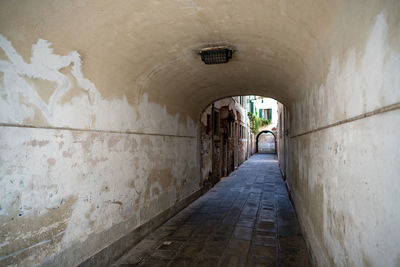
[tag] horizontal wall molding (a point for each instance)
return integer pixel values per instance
(355, 118)
(91, 130)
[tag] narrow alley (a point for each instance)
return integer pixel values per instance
(129, 133)
(245, 220)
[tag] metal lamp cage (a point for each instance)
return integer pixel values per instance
(216, 55)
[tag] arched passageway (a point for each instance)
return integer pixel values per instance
(266, 142)
(100, 132)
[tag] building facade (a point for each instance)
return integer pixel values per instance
(265, 108)
(226, 139)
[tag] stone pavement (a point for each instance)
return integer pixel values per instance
(244, 220)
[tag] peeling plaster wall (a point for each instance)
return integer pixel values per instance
(345, 153)
(68, 99)
(74, 164)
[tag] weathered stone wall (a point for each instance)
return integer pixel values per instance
(218, 154)
(242, 147)
(252, 145)
(223, 160)
(205, 152)
(266, 143)
(231, 154)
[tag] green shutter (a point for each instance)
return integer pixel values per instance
(260, 113)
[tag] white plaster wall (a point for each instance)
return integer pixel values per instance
(356, 83)
(347, 197)
(345, 179)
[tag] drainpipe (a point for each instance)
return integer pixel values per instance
(212, 143)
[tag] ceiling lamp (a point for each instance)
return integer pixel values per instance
(216, 55)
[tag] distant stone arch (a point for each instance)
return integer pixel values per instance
(265, 132)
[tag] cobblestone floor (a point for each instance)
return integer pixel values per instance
(244, 220)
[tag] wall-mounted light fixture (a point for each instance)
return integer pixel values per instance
(216, 55)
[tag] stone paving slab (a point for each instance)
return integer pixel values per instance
(244, 220)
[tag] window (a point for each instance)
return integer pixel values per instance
(241, 132)
(269, 114)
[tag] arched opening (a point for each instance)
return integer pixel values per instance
(232, 129)
(266, 142)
